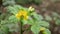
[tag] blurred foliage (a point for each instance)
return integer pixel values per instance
(34, 19)
(9, 22)
(54, 16)
(8, 2)
(12, 2)
(58, 22)
(29, 1)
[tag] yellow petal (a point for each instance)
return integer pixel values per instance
(22, 13)
(25, 17)
(42, 29)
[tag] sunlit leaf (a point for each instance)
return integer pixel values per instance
(43, 23)
(37, 16)
(35, 29)
(46, 32)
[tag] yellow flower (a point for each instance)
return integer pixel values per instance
(22, 13)
(42, 29)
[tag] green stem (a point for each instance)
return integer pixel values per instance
(21, 27)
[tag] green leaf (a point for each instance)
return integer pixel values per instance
(30, 21)
(25, 22)
(4, 22)
(43, 23)
(58, 22)
(8, 2)
(12, 10)
(13, 27)
(48, 18)
(4, 29)
(13, 19)
(54, 14)
(37, 16)
(35, 29)
(1, 32)
(2, 16)
(46, 32)
(17, 7)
